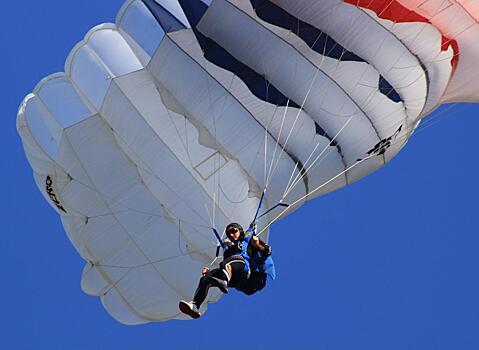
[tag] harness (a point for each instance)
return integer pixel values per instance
(258, 262)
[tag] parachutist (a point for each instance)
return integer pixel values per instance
(246, 264)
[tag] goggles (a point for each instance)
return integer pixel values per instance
(232, 230)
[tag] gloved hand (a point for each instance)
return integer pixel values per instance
(267, 250)
(228, 243)
(236, 245)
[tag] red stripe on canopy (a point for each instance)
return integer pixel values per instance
(394, 11)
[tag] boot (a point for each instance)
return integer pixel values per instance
(189, 308)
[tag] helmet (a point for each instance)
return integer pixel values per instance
(236, 226)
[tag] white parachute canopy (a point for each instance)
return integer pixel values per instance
(175, 119)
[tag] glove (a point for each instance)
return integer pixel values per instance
(267, 250)
(228, 243)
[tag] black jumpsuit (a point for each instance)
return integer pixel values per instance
(242, 280)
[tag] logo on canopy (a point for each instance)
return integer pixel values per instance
(52, 195)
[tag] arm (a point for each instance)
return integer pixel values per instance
(261, 246)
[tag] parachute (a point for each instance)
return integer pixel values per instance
(184, 114)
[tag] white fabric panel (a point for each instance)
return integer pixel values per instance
(127, 261)
(68, 160)
(42, 126)
(454, 21)
(158, 241)
(37, 157)
(121, 117)
(144, 32)
(471, 6)
(89, 74)
(118, 307)
(94, 62)
(62, 185)
(112, 49)
(109, 238)
(62, 101)
(152, 305)
(356, 31)
(425, 41)
(104, 237)
(74, 227)
(96, 149)
(168, 251)
(358, 79)
(46, 112)
(83, 200)
(92, 281)
(216, 109)
(463, 85)
(144, 144)
(154, 300)
(99, 155)
(179, 140)
(295, 76)
(159, 292)
(291, 126)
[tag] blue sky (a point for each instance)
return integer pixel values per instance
(388, 263)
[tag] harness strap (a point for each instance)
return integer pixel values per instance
(271, 209)
(220, 241)
(259, 206)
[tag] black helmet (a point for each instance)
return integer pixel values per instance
(234, 226)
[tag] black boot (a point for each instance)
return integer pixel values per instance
(189, 308)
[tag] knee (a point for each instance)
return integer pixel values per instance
(203, 280)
